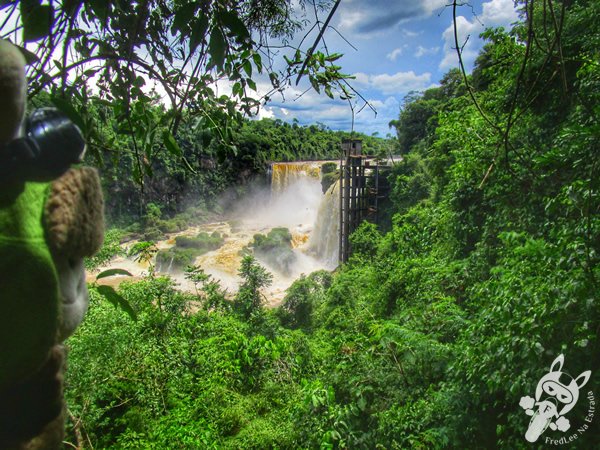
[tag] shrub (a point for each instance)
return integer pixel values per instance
(153, 214)
(248, 300)
(329, 175)
(175, 258)
(203, 242)
(153, 234)
(275, 248)
(186, 250)
(328, 167)
(301, 298)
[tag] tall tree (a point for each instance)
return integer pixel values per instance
(124, 55)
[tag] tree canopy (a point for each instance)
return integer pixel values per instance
(123, 59)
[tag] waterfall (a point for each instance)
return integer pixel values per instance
(324, 241)
(283, 175)
(296, 196)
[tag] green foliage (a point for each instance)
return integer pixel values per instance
(303, 297)
(208, 290)
(329, 175)
(432, 332)
(153, 214)
(249, 299)
(95, 62)
(365, 241)
(153, 234)
(259, 141)
(175, 258)
(203, 242)
(142, 251)
(111, 248)
(275, 248)
(117, 301)
(328, 167)
(186, 250)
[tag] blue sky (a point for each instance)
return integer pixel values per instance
(402, 46)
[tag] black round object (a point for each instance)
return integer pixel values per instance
(55, 140)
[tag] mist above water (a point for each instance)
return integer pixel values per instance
(292, 204)
(324, 239)
(294, 201)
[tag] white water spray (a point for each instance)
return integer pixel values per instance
(295, 201)
(324, 240)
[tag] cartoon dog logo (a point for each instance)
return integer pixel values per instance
(556, 394)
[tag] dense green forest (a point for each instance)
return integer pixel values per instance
(433, 331)
(207, 175)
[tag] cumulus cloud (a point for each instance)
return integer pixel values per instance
(384, 92)
(360, 79)
(265, 112)
(409, 33)
(366, 17)
(311, 107)
(394, 54)
(400, 82)
(495, 13)
(422, 51)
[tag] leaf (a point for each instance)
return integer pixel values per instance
(100, 9)
(362, 403)
(247, 66)
(119, 302)
(171, 144)
(183, 15)
(328, 91)
(198, 32)
(237, 89)
(251, 84)
(232, 21)
(139, 81)
(257, 62)
(334, 57)
(112, 272)
(37, 20)
(216, 47)
(315, 84)
(72, 6)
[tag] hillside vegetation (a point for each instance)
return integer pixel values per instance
(432, 332)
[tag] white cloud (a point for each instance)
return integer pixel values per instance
(349, 19)
(409, 33)
(265, 112)
(375, 16)
(498, 13)
(400, 82)
(422, 51)
(495, 13)
(394, 54)
(312, 107)
(360, 79)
